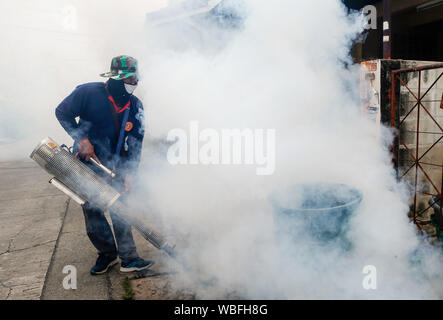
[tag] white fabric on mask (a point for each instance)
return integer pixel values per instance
(130, 88)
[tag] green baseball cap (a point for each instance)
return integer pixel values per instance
(122, 67)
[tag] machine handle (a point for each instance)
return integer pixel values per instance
(106, 170)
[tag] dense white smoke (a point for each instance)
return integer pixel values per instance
(285, 67)
(48, 48)
(288, 68)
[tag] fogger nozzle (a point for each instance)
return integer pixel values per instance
(83, 185)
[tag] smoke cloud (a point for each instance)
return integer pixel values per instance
(285, 66)
(48, 48)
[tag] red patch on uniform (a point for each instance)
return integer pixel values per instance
(128, 126)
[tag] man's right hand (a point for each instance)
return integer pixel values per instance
(86, 150)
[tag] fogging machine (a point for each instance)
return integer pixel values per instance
(82, 185)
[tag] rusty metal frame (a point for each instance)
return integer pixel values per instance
(397, 123)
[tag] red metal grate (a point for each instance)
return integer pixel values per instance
(415, 159)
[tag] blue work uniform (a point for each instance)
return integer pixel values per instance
(92, 103)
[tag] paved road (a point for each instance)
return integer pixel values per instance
(74, 249)
(31, 212)
(42, 231)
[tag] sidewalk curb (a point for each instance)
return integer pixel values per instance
(68, 201)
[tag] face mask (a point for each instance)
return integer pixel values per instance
(130, 88)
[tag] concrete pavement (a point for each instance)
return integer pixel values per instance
(42, 231)
(32, 213)
(74, 249)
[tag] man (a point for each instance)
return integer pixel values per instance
(110, 130)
